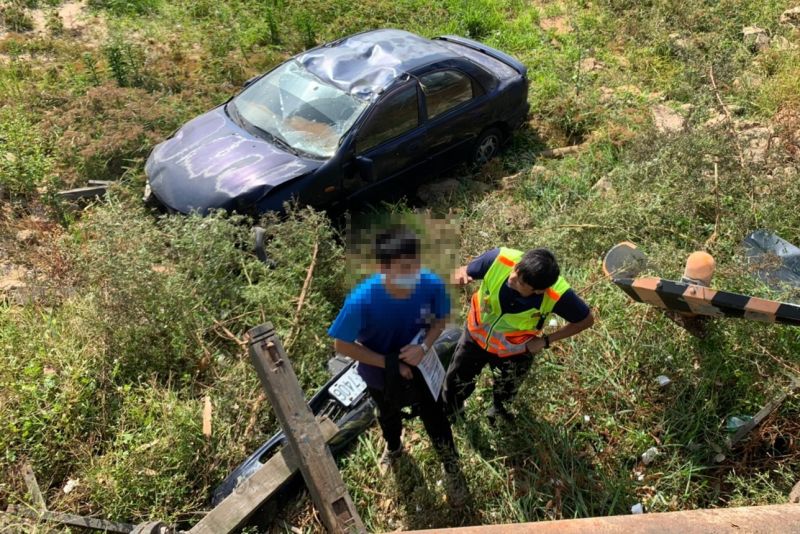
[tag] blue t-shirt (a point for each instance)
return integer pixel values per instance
(570, 306)
(385, 324)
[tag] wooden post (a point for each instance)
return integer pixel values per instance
(33, 488)
(251, 494)
(304, 437)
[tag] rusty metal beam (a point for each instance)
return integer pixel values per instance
(775, 519)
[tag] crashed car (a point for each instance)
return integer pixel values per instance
(341, 122)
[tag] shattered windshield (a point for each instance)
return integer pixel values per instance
(293, 106)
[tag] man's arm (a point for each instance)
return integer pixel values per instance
(476, 269)
(360, 353)
(460, 277)
(536, 344)
(413, 354)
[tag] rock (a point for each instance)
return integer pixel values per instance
(26, 236)
(794, 495)
(666, 119)
(782, 43)
(791, 17)
(590, 64)
(435, 190)
(603, 186)
(538, 170)
(679, 42)
(755, 38)
(716, 121)
(756, 141)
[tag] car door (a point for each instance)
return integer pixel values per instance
(453, 103)
(389, 146)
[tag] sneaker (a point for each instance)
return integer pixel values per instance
(389, 458)
(455, 485)
(496, 414)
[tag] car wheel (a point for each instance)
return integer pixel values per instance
(487, 146)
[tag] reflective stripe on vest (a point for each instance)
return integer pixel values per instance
(505, 334)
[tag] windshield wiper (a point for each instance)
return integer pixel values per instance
(233, 113)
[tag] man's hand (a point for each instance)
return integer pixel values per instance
(535, 345)
(460, 276)
(405, 371)
(412, 354)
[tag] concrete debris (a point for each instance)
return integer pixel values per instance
(667, 120)
(755, 38)
(649, 455)
(590, 64)
(603, 186)
(791, 17)
(26, 236)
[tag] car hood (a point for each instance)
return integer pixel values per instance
(211, 163)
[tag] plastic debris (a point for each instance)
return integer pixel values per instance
(663, 380)
(719, 458)
(737, 421)
(71, 485)
(553, 323)
(649, 455)
(587, 418)
(637, 508)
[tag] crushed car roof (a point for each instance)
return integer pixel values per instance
(365, 64)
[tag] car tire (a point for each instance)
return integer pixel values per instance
(487, 146)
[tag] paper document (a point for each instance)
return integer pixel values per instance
(431, 366)
(433, 372)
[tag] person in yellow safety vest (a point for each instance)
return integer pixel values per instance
(507, 315)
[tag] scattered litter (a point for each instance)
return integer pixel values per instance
(639, 476)
(649, 455)
(587, 418)
(663, 380)
(71, 485)
(637, 508)
(553, 323)
(736, 422)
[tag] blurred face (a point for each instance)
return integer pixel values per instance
(402, 273)
(515, 282)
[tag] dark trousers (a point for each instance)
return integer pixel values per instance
(432, 413)
(469, 360)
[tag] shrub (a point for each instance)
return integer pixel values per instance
(25, 165)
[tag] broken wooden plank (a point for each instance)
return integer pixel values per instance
(558, 152)
(83, 192)
(303, 435)
(251, 494)
(71, 519)
(33, 487)
(207, 416)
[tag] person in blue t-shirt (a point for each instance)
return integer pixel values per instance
(378, 325)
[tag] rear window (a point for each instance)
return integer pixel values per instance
(495, 66)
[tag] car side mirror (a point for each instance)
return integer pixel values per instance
(366, 168)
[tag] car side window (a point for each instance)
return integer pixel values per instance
(444, 90)
(395, 115)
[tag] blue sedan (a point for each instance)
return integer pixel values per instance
(339, 124)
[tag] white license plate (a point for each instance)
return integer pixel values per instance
(348, 388)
